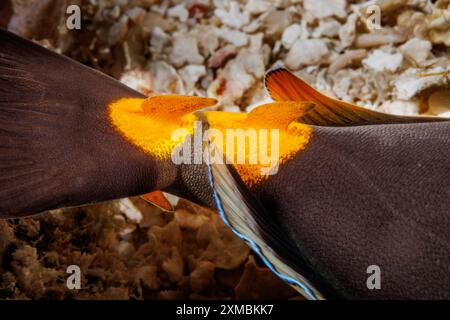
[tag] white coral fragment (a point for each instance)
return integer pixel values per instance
(326, 8)
(185, 50)
(191, 74)
(413, 81)
(179, 11)
(290, 35)
(401, 107)
(379, 60)
(439, 103)
(233, 17)
(306, 52)
(417, 50)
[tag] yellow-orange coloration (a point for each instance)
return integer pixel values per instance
(292, 136)
(285, 86)
(149, 123)
(158, 199)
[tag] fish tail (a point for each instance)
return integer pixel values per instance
(57, 148)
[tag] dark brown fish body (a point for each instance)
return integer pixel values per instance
(356, 196)
(361, 196)
(370, 195)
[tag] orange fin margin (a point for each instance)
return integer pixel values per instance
(158, 199)
(283, 85)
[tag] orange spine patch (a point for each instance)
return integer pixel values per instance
(265, 138)
(149, 123)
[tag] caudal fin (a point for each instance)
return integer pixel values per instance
(57, 147)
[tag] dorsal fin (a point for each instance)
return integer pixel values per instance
(282, 85)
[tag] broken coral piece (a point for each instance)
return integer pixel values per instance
(380, 60)
(306, 52)
(439, 103)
